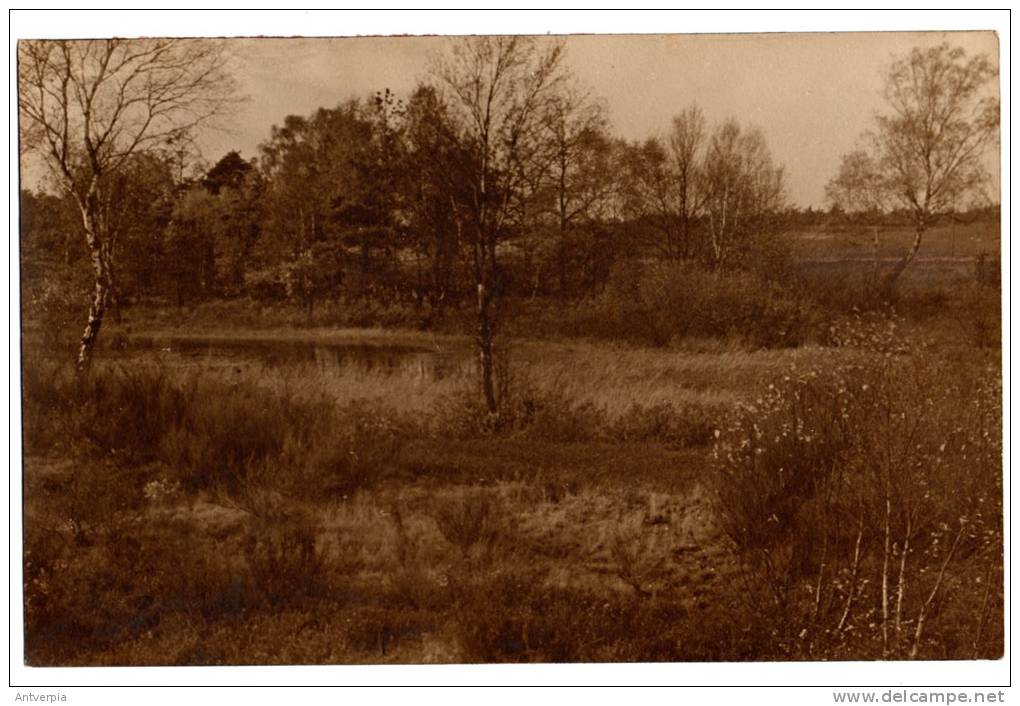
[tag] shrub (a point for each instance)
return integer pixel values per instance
(374, 630)
(116, 412)
(493, 616)
(522, 407)
(100, 500)
(858, 497)
(659, 302)
(840, 290)
(678, 425)
(410, 580)
(988, 270)
(123, 584)
(268, 308)
(283, 557)
(551, 416)
(226, 429)
(472, 520)
(336, 453)
(978, 312)
(512, 615)
(55, 304)
(44, 407)
(211, 434)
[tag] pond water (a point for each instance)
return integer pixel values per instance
(386, 358)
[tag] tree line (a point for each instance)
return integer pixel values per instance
(499, 175)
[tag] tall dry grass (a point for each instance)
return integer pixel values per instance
(208, 431)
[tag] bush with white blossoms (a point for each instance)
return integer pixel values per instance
(161, 490)
(865, 503)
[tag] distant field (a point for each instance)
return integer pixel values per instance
(942, 241)
(947, 255)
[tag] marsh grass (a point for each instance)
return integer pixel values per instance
(210, 433)
(236, 511)
(475, 522)
(283, 557)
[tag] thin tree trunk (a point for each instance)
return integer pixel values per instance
(716, 248)
(485, 335)
(822, 562)
(923, 613)
(484, 262)
(901, 583)
(100, 297)
(821, 577)
(853, 576)
(889, 284)
(563, 224)
(885, 571)
(983, 615)
(718, 230)
(874, 271)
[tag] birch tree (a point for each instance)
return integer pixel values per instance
(929, 148)
(499, 88)
(744, 189)
(87, 106)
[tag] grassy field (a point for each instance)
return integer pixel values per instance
(586, 530)
(218, 492)
(945, 240)
(598, 511)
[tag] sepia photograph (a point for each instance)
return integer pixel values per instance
(488, 348)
